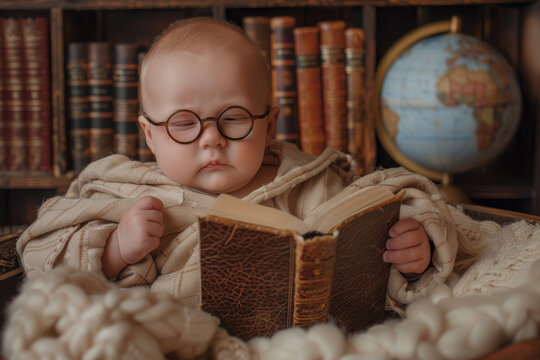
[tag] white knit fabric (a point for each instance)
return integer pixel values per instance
(493, 302)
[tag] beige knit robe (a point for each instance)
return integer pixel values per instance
(73, 229)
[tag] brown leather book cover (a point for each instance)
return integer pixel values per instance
(308, 80)
(356, 106)
(101, 99)
(14, 95)
(78, 105)
(37, 100)
(126, 102)
(284, 77)
(259, 278)
(332, 40)
(257, 28)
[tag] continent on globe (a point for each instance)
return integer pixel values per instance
(448, 103)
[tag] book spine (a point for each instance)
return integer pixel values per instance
(3, 125)
(354, 70)
(334, 84)
(126, 102)
(144, 154)
(78, 105)
(14, 95)
(284, 77)
(315, 260)
(257, 29)
(36, 79)
(101, 99)
(308, 80)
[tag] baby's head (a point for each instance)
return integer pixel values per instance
(204, 66)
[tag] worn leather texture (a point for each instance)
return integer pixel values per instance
(258, 280)
(359, 291)
(247, 277)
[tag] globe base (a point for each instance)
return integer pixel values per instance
(454, 194)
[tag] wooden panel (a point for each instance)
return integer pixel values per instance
(140, 4)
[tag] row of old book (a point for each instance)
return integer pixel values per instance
(103, 102)
(25, 116)
(318, 82)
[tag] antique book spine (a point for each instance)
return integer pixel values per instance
(126, 102)
(101, 99)
(14, 94)
(308, 80)
(332, 41)
(3, 125)
(78, 105)
(356, 106)
(315, 261)
(284, 77)
(37, 101)
(144, 154)
(257, 28)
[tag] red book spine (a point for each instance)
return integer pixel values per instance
(334, 86)
(308, 80)
(14, 94)
(284, 78)
(36, 79)
(356, 105)
(3, 125)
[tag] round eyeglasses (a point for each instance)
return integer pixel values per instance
(185, 126)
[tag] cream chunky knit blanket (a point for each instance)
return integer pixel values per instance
(494, 301)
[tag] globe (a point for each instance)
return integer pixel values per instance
(447, 103)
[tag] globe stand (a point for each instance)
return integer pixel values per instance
(451, 192)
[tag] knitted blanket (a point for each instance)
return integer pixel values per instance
(67, 314)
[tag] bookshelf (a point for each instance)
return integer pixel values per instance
(512, 181)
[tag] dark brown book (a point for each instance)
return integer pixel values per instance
(126, 102)
(3, 125)
(101, 99)
(356, 105)
(37, 90)
(257, 29)
(144, 153)
(78, 105)
(14, 95)
(284, 77)
(332, 38)
(309, 97)
(263, 270)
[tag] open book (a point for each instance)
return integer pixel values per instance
(263, 270)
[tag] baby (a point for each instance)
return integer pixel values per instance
(209, 120)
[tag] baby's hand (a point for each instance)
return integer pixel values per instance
(140, 229)
(408, 247)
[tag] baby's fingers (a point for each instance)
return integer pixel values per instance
(404, 256)
(415, 267)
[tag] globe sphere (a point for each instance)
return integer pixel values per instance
(448, 103)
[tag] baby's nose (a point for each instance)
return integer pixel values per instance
(211, 136)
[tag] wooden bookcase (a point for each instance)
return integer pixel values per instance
(512, 181)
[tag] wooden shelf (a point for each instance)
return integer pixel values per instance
(34, 180)
(150, 4)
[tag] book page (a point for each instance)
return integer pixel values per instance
(336, 210)
(230, 207)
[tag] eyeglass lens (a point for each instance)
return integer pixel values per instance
(234, 123)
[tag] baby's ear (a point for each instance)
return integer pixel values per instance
(147, 133)
(271, 124)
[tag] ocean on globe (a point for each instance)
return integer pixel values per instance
(450, 103)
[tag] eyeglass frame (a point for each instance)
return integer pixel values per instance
(209, 118)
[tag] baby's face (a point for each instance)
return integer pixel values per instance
(206, 83)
